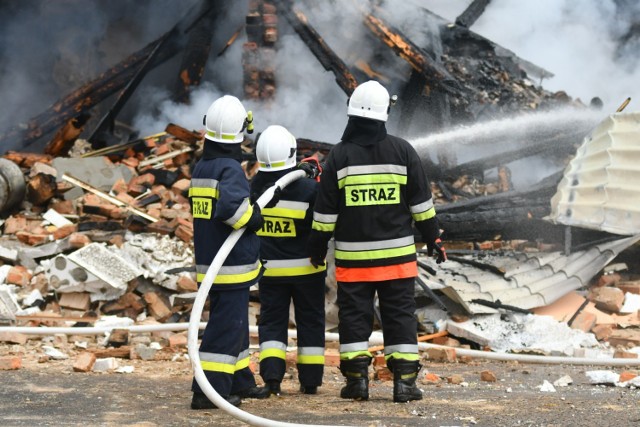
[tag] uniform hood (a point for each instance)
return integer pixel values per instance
(364, 132)
(215, 150)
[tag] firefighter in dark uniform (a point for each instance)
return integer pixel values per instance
(289, 274)
(373, 189)
(219, 197)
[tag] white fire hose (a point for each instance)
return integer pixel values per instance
(196, 313)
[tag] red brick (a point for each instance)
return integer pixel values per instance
(120, 186)
(14, 224)
(131, 162)
(488, 376)
(178, 341)
(19, 275)
(607, 298)
(181, 186)
(13, 338)
(331, 358)
(446, 341)
(627, 376)
(184, 233)
(622, 354)
(75, 300)
(602, 332)
(187, 284)
(84, 362)
(608, 279)
(442, 354)
(383, 373)
(78, 240)
(10, 363)
(630, 287)
(32, 239)
(431, 378)
(64, 231)
(584, 321)
(455, 379)
(64, 207)
(379, 360)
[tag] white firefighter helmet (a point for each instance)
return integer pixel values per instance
(276, 149)
(369, 100)
(226, 120)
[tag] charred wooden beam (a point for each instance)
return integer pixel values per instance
(66, 136)
(196, 54)
(327, 57)
(98, 138)
(183, 134)
(92, 93)
(472, 13)
(434, 73)
(232, 39)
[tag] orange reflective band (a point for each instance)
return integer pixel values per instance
(377, 274)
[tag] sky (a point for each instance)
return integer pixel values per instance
(48, 47)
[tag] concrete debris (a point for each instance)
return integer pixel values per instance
(54, 353)
(602, 377)
(564, 381)
(547, 387)
(530, 333)
(106, 364)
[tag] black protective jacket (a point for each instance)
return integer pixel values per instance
(373, 189)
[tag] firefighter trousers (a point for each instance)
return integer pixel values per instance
(397, 312)
(308, 302)
(224, 350)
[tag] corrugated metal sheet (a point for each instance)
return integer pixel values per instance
(601, 186)
(528, 280)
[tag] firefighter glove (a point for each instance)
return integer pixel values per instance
(311, 167)
(255, 222)
(275, 199)
(441, 253)
(317, 261)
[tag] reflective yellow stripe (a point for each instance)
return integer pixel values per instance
(273, 352)
(310, 360)
(284, 213)
(424, 215)
(204, 192)
(221, 136)
(353, 354)
(217, 367)
(403, 356)
(272, 165)
(293, 271)
(244, 218)
(376, 254)
(380, 178)
(231, 279)
(242, 363)
(321, 226)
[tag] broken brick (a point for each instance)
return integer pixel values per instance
(488, 376)
(13, 338)
(14, 224)
(84, 362)
(9, 363)
(607, 298)
(19, 275)
(441, 354)
(584, 321)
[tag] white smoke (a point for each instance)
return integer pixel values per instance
(576, 41)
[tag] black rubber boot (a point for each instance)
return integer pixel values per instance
(273, 386)
(405, 373)
(309, 389)
(201, 401)
(255, 393)
(356, 371)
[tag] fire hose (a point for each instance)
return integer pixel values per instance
(196, 313)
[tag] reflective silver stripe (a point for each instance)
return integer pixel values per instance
(244, 354)
(326, 218)
(217, 357)
(242, 209)
(401, 348)
(273, 344)
(425, 206)
(371, 169)
(204, 182)
(378, 244)
(284, 263)
(311, 351)
(231, 269)
(354, 346)
(288, 204)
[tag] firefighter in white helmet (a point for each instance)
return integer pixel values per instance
(373, 189)
(289, 275)
(220, 203)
